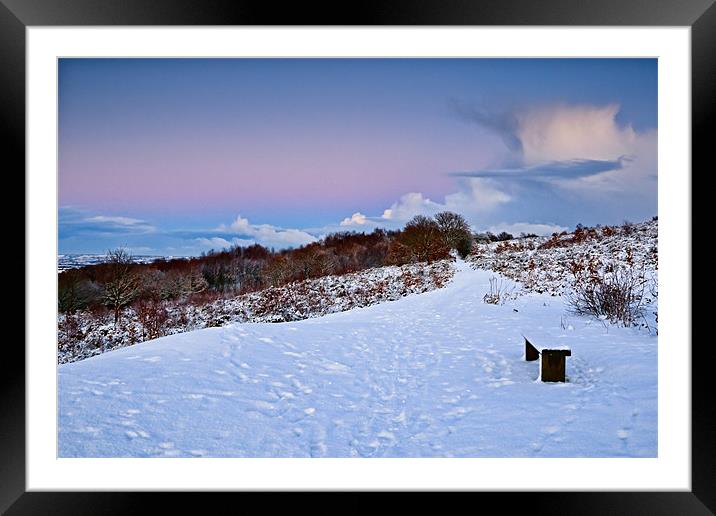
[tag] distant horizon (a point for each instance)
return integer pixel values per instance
(174, 157)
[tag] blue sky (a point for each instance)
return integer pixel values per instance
(175, 156)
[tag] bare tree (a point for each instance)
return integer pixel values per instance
(123, 284)
(455, 232)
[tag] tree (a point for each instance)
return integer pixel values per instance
(423, 238)
(123, 283)
(74, 291)
(455, 232)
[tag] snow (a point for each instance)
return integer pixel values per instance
(435, 374)
(96, 334)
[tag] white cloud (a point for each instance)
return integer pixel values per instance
(561, 132)
(75, 221)
(477, 196)
(213, 242)
(355, 219)
(576, 159)
(268, 235)
(119, 221)
(409, 205)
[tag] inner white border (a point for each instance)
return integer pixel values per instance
(671, 470)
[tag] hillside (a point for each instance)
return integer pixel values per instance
(85, 334)
(546, 264)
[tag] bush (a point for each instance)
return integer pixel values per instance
(398, 254)
(75, 292)
(152, 315)
(615, 296)
(496, 295)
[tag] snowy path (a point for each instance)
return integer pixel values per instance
(434, 374)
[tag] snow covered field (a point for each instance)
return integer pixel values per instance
(438, 374)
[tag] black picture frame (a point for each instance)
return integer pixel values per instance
(16, 15)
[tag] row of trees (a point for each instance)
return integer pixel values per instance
(119, 282)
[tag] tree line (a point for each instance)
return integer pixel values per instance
(118, 282)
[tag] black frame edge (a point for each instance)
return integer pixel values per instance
(700, 14)
(367, 12)
(12, 379)
(703, 129)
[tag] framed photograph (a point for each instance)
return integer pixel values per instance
(412, 251)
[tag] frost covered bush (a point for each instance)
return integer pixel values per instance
(616, 295)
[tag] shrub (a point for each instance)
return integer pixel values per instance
(152, 315)
(615, 296)
(398, 254)
(69, 331)
(627, 227)
(496, 295)
(608, 231)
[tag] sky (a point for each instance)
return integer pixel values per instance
(179, 156)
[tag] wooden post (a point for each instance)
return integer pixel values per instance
(553, 366)
(531, 352)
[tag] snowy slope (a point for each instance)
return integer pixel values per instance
(434, 374)
(292, 302)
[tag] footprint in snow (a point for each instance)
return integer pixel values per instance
(318, 446)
